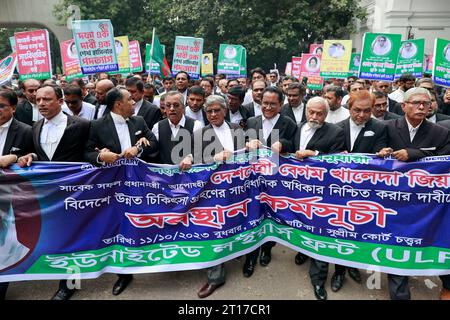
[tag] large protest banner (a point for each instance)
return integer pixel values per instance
(33, 54)
(379, 56)
(95, 45)
(132, 217)
(336, 58)
(207, 64)
(355, 62)
(135, 56)
(122, 47)
(410, 58)
(441, 66)
(187, 56)
(7, 66)
(296, 67)
(311, 70)
(70, 62)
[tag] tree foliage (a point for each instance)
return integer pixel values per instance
(271, 30)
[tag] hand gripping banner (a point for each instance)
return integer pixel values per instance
(133, 217)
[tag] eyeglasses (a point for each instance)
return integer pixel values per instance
(417, 104)
(174, 105)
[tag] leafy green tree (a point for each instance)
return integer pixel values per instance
(272, 30)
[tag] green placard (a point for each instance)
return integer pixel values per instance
(441, 66)
(410, 58)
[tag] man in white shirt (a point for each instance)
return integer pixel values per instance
(194, 109)
(27, 110)
(74, 104)
(406, 82)
(57, 137)
(334, 96)
(254, 107)
(182, 84)
(295, 108)
(101, 89)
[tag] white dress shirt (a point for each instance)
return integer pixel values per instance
(337, 115)
(36, 114)
(225, 137)
(258, 109)
(398, 95)
(248, 97)
(137, 106)
(412, 130)
(432, 119)
(101, 111)
(52, 132)
(87, 111)
(3, 134)
(122, 131)
(195, 115)
(298, 113)
(354, 132)
(235, 117)
(306, 133)
(175, 128)
(268, 125)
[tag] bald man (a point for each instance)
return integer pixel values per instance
(27, 110)
(101, 89)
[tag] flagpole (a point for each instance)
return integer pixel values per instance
(151, 55)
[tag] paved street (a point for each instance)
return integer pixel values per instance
(281, 280)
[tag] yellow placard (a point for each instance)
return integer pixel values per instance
(207, 64)
(122, 53)
(336, 57)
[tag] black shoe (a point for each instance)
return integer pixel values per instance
(63, 294)
(300, 258)
(320, 292)
(354, 274)
(265, 257)
(249, 267)
(121, 284)
(337, 281)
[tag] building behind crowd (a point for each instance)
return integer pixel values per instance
(428, 19)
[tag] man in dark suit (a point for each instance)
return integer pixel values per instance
(16, 139)
(87, 96)
(236, 113)
(216, 143)
(254, 107)
(57, 137)
(409, 139)
(175, 131)
(101, 89)
(379, 110)
(27, 110)
(295, 108)
(433, 115)
(115, 135)
(142, 107)
(277, 132)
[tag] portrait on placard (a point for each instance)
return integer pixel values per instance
(381, 46)
(447, 52)
(357, 60)
(313, 64)
(119, 47)
(408, 50)
(336, 50)
(230, 52)
(318, 50)
(72, 51)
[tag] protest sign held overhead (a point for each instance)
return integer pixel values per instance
(311, 70)
(316, 48)
(231, 59)
(95, 45)
(441, 67)
(187, 56)
(355, 62)
(379, 56)
(296, 67)
(336, 58)
(33, 54)
(135, 56)
(410, 58)
(122, 47)
(7, 66)
(207, 64)
(70, 62)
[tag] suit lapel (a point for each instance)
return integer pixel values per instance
(361, 133)
(404, 131)
(112, 128)
(10, 137)
(421, 134)
(131, 129)
(37, 140)
(348, 141)
(316, 137)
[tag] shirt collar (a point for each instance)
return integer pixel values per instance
(433, 119)
(180, 124)
(411, 128)
(299, 106)
(139, 103)
(6, 125)
(354, 125)
(273, 120)
(222, 127)
(58, 119)
(118, 119)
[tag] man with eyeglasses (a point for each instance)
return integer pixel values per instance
(409, 139)
(74, 104)
(380, 107)
(176, 129)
